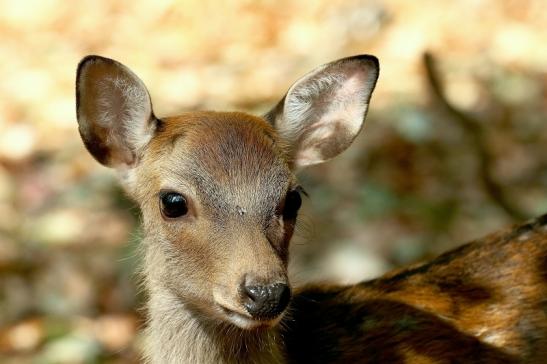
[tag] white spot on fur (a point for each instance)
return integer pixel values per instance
(495, 338)
(524, 237)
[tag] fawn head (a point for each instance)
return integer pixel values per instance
(217, 190)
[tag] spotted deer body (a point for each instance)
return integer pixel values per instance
(219, 200)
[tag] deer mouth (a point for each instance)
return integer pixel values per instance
(246, 321)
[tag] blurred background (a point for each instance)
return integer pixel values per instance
(455, 144)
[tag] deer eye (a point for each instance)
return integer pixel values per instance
(293, 201)
(173, 204)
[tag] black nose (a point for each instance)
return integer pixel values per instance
(266, 301)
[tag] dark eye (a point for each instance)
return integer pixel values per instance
(173, 205)
(293, 201)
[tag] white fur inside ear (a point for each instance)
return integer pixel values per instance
(114, 112)
(124, 108)
(329, 96)
(325, 110)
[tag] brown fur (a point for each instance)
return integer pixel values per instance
(485, 302)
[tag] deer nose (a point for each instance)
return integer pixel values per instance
(266, 301)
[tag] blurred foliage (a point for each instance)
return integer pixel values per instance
(415, 183)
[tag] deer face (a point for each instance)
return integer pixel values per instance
(217, 191)
(220, 199)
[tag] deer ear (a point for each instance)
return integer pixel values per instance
(323, 112)
(114, 111)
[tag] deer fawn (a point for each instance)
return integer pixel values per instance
(219, 201)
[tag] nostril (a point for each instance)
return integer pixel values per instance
(266, 301)
(256, 293)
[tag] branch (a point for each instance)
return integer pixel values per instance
(471, 127)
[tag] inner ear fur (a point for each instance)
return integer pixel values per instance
(114, 111)
(324, 111)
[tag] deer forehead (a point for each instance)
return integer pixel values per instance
(230, 161)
